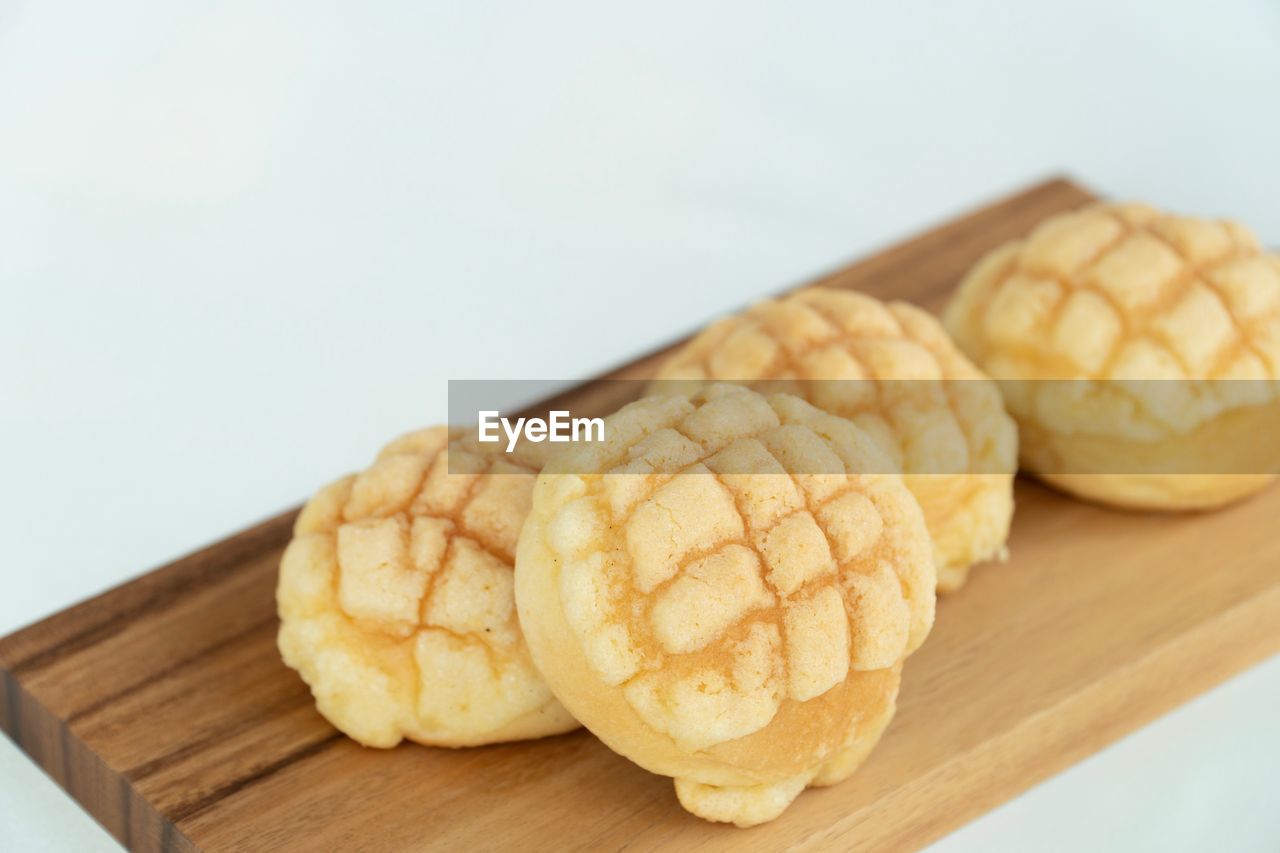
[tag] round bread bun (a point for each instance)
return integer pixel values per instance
(716, 617)
(1148, 316)
(397, 605)
(937, 417)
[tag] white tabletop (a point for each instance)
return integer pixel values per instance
(241, 246)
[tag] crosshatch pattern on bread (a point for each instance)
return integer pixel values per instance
(893, 370)
(1166, 310)
(397, 603)
(713, 611)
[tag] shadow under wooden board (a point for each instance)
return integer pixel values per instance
(163, 708)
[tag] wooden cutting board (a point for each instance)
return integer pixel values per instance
(163, 708)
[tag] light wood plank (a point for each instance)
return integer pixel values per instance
(163, 708)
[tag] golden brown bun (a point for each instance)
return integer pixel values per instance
(396, 600)
(946, 428)
(1122, 292)
(715, 618)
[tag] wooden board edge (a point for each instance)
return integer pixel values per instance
(97, 617)
(960, 220)
(49, 741)
(1127, 699)
(66, 759)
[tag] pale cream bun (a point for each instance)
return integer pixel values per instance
(1178, 321)
(937, 418)
(720, 595)
(396, 599)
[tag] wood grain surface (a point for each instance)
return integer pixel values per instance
(163, 708)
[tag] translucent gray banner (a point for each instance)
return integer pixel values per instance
(1068, 426)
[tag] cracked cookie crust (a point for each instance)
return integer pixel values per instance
(722, 595)
(892, 370)
(397, 605)
(1164, 332)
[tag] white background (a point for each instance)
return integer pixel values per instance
(243, 244)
